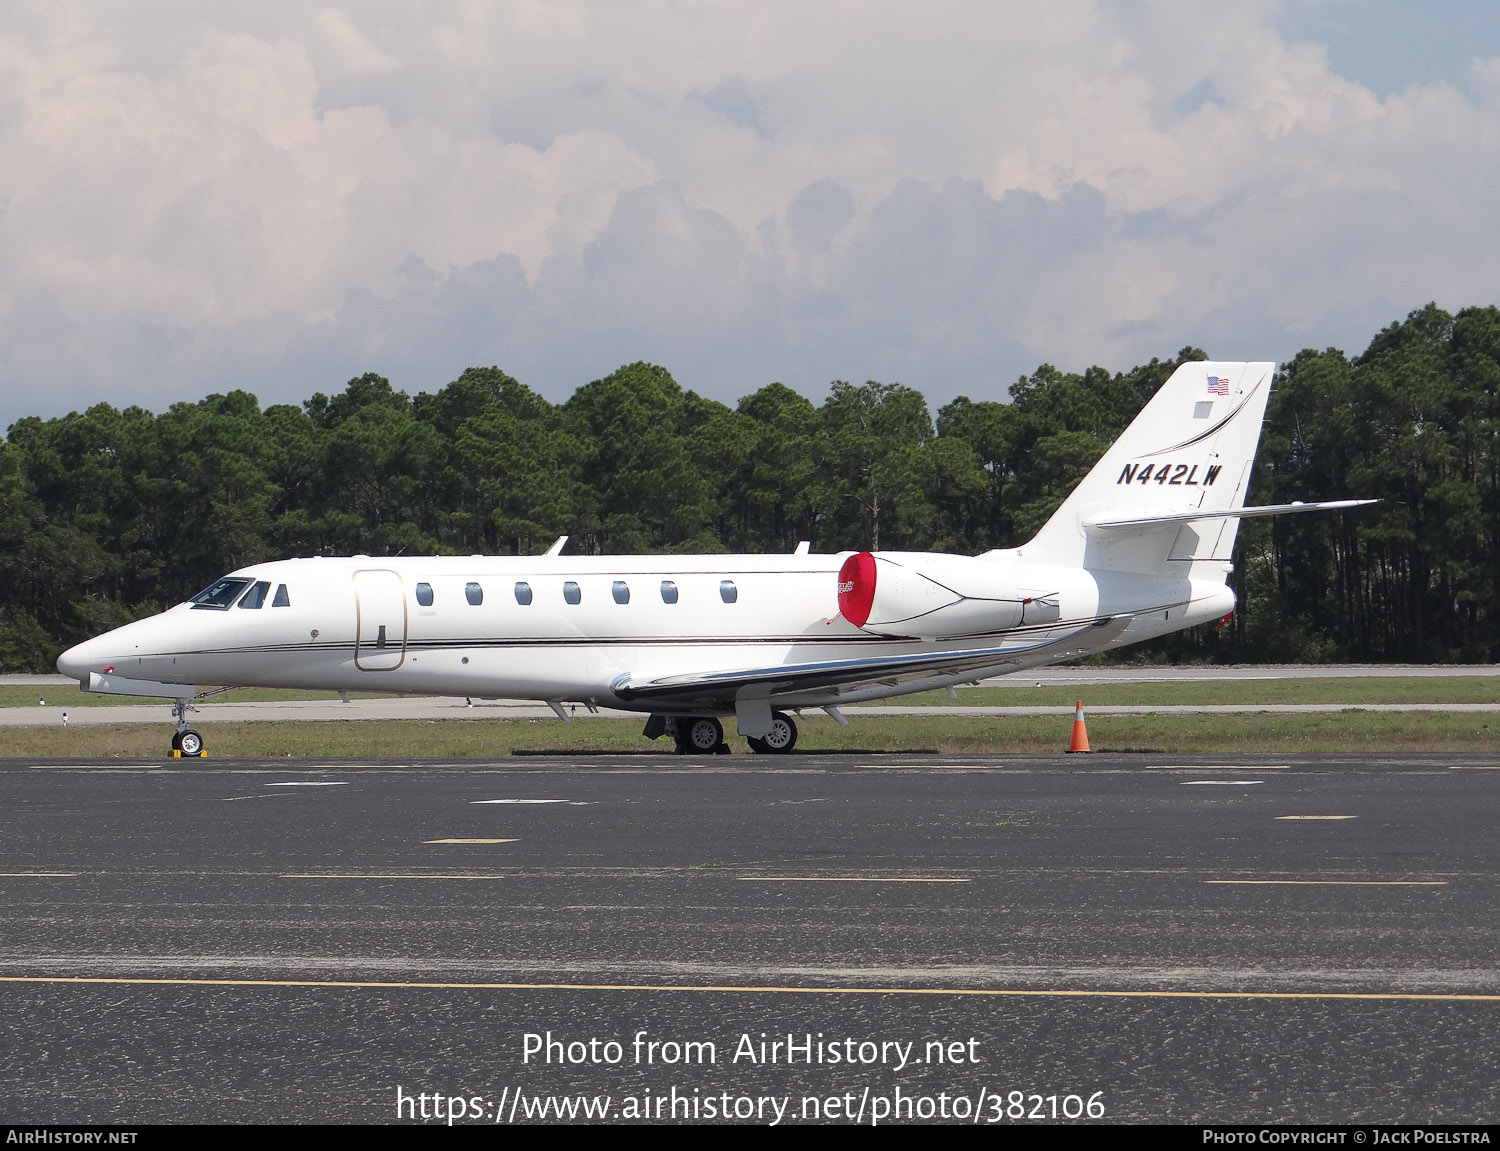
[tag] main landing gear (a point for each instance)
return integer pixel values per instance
(779, 740)
(704, 734)
(698, 735)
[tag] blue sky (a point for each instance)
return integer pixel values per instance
(1387, 45)
(201, 196)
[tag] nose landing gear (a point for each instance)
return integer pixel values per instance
(186, 743)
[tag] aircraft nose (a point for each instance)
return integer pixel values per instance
(79, 660)
(123, 646)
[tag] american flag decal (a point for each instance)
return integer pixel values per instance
(1218, 385)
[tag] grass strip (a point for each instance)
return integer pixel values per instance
(1249, 733)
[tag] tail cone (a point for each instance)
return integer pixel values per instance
(1080, 740)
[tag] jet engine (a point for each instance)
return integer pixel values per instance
(928, 595)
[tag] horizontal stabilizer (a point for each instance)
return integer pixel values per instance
(1170, 518)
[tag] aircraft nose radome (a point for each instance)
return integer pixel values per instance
(103, 651)
(77, 661)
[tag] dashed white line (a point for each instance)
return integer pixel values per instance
(383, 875)
(1330, 882)
(1218, 766)
(836, 879)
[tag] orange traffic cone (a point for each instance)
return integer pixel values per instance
(1080, 740)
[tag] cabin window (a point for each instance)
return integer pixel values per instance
(523, 593)
(281, 599)
(255, 598)
(218, 596)
(622, 591)
(571, 592)
(473, 593)
(424, 594)
(727, 591)
(668, 591)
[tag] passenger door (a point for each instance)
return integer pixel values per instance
(380, 601)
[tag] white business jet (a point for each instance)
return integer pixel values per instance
(1139, 549)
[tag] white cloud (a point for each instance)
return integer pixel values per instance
(199, 196)
(348, 48)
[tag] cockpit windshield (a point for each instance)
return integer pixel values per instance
(220, 594)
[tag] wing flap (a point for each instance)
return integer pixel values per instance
(720, 689)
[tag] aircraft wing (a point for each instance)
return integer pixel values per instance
(721, 688)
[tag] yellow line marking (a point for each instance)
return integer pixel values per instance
(470, 841)
(835, 879)
(1317, 817)
(1218, 767)
(38, 874)
(754, 989)
(1334, 882)
(385, 875)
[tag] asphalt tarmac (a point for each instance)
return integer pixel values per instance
(1304, 940)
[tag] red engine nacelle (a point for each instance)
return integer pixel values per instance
(928, 594)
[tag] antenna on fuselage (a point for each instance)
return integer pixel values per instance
(557, 546)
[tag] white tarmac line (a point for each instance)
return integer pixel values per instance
(835, 879)
(383, 875)
(1218, 767)
(1330, 882)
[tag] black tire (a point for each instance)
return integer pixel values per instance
(190, 742)
(779, 740)
(700, 736)
(177, 741)
(783, 734)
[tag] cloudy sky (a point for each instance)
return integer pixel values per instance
(197, 196)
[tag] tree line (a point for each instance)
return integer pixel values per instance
(109, 514)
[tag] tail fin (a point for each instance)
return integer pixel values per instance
(1189, 451)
